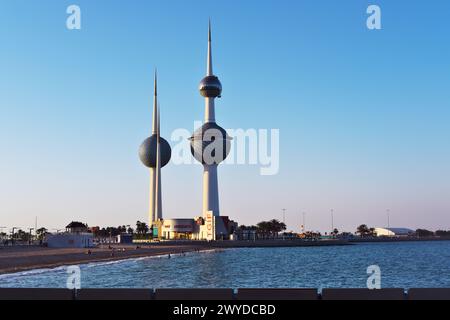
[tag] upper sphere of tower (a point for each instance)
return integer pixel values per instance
(210, 87)
(147, 152)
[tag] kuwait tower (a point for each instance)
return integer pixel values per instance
(155, 153)
(210, 144)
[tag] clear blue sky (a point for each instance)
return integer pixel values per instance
(363, 115)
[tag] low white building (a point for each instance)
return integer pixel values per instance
(76, 236)
(393, 232)
(70, 240)
(177, 229)
(199, 228)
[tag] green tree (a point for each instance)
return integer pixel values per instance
(141, 228)
(270, 228)
(41, 233)
(363, 230)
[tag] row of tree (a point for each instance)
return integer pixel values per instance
(266, 229)
(423, 233)
(24, 236)
(142, 229)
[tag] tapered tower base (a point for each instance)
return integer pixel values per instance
(210, 190)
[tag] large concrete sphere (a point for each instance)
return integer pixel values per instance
(210, 144)
(147, 152)
(210, 87)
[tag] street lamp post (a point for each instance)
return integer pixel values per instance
(332, 221)
(388, 213)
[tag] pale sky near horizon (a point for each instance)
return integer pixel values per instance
(363, 115)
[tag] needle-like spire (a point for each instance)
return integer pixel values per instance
(209, 70)
(155, 105)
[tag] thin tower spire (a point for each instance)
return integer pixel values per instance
(209, 70)
(155, 104)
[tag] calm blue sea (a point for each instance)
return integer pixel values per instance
(404, 265)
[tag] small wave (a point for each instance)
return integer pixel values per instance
(32, 272)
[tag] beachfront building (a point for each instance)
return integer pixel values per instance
(393, 232)
(195, 229)
(76, 236)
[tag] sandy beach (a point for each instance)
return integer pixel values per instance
(22, 258)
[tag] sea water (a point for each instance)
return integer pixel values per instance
(402, 265)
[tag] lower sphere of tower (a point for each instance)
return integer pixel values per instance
(210, 144)
(148, 150)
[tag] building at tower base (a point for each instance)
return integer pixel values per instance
(208, 228)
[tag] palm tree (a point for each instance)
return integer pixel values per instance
(41, 233)
(276, 226)
(363, 230)
(141, 228)
(270, 228)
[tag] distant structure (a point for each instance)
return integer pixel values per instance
(155, 153)
(393, 232)
(76, 236)
(210, 145)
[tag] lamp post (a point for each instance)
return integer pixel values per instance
(332, 220)
(388, 213)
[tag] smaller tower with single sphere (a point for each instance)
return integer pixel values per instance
(155, 153)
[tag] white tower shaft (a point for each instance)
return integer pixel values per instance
(158, 206)
(210, 115)
(210, 190)
(152, 195)
(210, 180)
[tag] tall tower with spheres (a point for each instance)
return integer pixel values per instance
(210, 144)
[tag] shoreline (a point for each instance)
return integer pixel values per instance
(20, 259)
